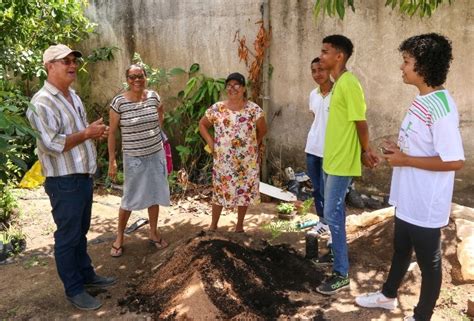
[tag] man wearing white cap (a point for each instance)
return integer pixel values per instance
(68, 158)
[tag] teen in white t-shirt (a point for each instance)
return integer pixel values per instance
(430, 129)
(428, 153)
(319, 99)
(319, 106)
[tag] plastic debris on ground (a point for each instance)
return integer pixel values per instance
(33, 177)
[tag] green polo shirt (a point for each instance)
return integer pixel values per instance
(342, 150)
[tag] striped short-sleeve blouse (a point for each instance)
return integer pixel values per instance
(139, 124)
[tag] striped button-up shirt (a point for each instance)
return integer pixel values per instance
(55, 118)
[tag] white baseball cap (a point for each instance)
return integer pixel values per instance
(58, 52)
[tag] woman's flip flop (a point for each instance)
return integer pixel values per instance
(160, 244)
(116, 251)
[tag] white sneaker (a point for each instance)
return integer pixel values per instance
(410, 318)
(376, 300)
(319, 229)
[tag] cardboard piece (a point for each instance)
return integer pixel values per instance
(276, 192)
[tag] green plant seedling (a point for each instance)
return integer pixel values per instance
(285, 208)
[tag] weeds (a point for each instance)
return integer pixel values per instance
(8, 203)
(183, 122)
(12, 241)
(175, 186)
(277, 227)
(448, 299)
(48, 230)
(34, 261)
(13, 311)
(306, 206)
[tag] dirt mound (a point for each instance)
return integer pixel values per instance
(240, 277)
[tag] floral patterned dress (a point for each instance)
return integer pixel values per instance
(235, 174)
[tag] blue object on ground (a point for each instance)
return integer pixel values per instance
(306, 224)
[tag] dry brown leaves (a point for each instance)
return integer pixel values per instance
(261, 43)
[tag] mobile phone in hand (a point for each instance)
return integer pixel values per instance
(385, 151)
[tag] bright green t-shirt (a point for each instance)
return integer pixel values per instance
(342, 151)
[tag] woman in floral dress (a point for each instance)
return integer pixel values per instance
(239, 126)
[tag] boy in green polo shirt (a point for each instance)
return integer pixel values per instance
(346, 147)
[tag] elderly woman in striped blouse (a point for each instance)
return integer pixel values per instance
(139, 115)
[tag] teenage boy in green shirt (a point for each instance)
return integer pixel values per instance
(346, 147)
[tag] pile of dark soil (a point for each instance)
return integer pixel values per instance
(251, 280)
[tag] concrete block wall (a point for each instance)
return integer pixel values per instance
(181, 32)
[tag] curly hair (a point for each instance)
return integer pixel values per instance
(433, 55)
(341, 43)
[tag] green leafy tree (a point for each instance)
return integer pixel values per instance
(408, 7)
(15, 132)
(27, 28)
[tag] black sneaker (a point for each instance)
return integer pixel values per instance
(84, 301)
(334, 284)
(101, 281)
(325, 260)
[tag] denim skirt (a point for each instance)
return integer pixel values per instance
(145, 181)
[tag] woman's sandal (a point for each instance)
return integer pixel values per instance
(116, 251)
(160, 244)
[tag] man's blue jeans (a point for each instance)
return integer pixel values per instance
(71, 202)
(335, 189)
(314, 165)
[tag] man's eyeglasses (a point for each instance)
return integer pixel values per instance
(133, 77)
(236, 86)
(68, 62)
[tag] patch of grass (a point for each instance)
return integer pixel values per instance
(12, 312)
(454, 314)
(450, 298)
(48, 230)
(34, 261)
(277, 227)
(19, 192)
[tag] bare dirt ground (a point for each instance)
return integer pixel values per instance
(203, 275)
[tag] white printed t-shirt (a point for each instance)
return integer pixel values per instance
(430, 128)
(319, 105)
